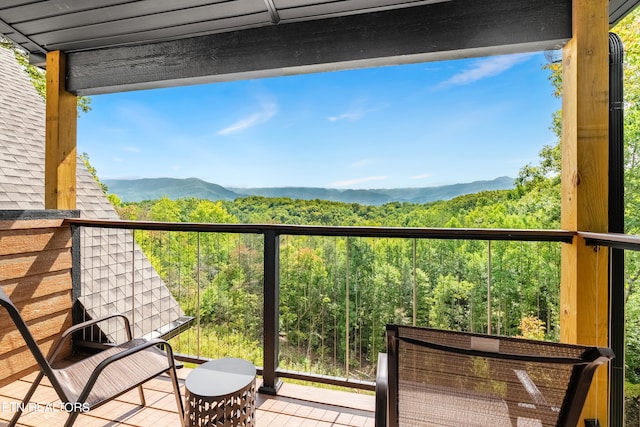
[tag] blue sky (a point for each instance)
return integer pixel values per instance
(416, 125)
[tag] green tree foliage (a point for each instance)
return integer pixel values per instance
(450, 304)
(337, 294)
(632, 324)
(84, 157)
(629, 31)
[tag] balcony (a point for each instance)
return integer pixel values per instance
(85, 65)
(281, 255)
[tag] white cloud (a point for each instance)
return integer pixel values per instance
(484, 68)
(357, 111)
(132, 149)
(268, 111)
(350, 182)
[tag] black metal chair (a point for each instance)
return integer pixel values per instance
(99, 378)
(433, 377)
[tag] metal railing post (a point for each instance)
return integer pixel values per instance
(489, 287)
(270, 382)
(616, 225)
(198, 297)
(133, 282)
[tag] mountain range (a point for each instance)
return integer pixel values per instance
(136, 190)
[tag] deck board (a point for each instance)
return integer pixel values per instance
(296, 406)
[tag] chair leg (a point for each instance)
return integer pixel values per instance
(176, 392)
(26, 400)
(141, 393)
(72, 418)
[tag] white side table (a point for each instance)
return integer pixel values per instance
(221, 392)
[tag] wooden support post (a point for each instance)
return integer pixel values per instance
(60, 147)
(584, 282)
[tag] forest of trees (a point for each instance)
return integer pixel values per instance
(380, 275)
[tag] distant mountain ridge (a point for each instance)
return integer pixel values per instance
(136, 190)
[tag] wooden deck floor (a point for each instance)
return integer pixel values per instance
(295, 405)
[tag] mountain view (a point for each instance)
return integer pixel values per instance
(137, 190)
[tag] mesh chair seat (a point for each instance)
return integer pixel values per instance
(125, 375)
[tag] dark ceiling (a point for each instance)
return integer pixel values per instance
(618, 9)
(75, 25)
(115, 45)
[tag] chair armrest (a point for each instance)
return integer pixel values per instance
(67, 333)
(121, 355)
(382, 391)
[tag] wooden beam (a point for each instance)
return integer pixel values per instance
(60, 135)
(585, 111)
(446, 30)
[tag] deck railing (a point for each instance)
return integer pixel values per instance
(315, 294)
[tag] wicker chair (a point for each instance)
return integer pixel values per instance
(430, 377)
(95, 380)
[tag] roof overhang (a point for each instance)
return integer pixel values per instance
(117, 45)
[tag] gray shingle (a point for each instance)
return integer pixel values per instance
(106, 254)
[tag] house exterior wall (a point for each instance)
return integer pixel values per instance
(35, 272)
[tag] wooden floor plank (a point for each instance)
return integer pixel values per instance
(295, 405)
